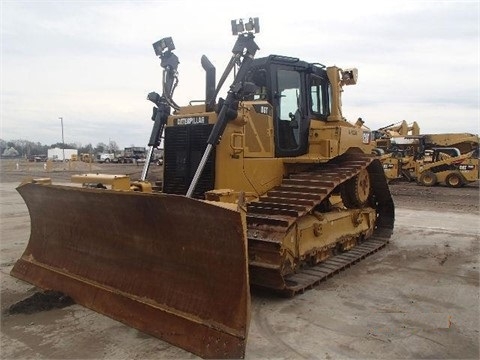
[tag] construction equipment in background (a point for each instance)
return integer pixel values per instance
(447, 166)
(270, 187)
(417, 144)
(87, 157)
(408, 155)
(400, 129)
(430, 165)
(464, 142)
(384, 136)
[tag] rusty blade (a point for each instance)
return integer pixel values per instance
(167, 265)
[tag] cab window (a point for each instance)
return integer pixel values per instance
(319, 95)
(289, 109)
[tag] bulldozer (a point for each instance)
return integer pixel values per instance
(270, 187)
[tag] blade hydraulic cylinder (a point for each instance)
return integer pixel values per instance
(247, 47)
(159, 117)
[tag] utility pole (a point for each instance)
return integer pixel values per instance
(63, 142)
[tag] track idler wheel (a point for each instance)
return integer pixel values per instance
(356, 191)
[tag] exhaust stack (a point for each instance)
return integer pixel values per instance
(209, 83)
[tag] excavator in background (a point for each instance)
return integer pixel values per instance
(270, 187)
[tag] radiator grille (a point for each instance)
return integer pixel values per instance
(184, 148)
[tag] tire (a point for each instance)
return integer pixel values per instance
(428, 178)
(454, 180)
(107, 160)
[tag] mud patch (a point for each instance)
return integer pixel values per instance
(40, 301)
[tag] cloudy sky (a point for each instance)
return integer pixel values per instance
(92, 62)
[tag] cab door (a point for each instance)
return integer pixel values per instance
(290, 117)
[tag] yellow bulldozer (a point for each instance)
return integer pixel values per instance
(270, 187)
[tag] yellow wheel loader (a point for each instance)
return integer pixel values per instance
(270, 187)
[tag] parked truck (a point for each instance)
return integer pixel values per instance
(131, 154)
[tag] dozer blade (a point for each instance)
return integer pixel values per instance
(168, 265)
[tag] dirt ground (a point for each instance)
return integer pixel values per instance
(416, 299)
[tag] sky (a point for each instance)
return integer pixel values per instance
(92, 62)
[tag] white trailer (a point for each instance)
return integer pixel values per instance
(56, 154)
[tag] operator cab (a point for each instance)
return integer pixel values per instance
(444, 153)
(298, 91)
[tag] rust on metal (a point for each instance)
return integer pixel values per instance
(151, 261)
(179, 268)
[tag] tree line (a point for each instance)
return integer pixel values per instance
(26, 148)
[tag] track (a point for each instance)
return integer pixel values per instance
(309, 277)
(272, 217)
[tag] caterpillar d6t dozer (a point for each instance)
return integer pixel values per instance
(270, 187)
